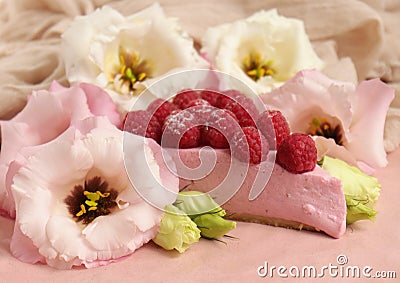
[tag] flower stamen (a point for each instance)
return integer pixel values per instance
(92, 200)
(256, 68)
(82, 211)
(326, 129)
(132, 69)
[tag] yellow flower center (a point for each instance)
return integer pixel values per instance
(90, 201)
(326, 129)
(131, 69)
(256, 68)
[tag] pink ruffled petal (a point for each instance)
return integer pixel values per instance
(20, 159)
(32, 186)
(308, 95)
(69, 244)
(111, 232)
(329, 147)
(101, 143)
(98, 263)
(74, 103)
(141, 153)
(61, 264)
(56, 86)
(42, 120)
(145, 216)
(59, 166)
(100, 103)
(373, 98)
(32, 210)
(361, 112)
(7, 206)
(23, 248)
(85, 126)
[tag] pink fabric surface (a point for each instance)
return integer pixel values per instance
(375, 244)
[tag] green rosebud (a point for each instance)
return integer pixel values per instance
(205, 212)
(357, 210)
(213, 226)
(194, 203)
(361, 191)
(177, 231)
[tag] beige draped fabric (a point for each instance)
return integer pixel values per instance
(365, 31)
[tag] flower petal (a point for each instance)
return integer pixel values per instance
(310, 94)
(277, 39)
(46, 176)
(329, 147)
(157, 40)
(100, 103)
(176, 49)
(76, 42)
(154, 182)
(43, 111)
(69, 244)
(373, 98)
(32, 186)
(23, 248)
(392, 129)
(100, 143)
(118, 230)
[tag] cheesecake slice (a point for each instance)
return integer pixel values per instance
(312, 200)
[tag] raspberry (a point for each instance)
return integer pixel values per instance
(211, 96)
(142, 123)
(245, 110)
(221, 124)
(180, 131)
(227, 97)
(197, 102)
(297, 153)
(201, 113)
(274, 127)
(253, 148)
(183, 98)
(161, 108)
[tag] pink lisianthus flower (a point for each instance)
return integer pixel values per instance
(47, 115)
(347, 121)
(75, 203)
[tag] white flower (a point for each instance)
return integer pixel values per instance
(263, 50)
(75, 204)
(126, 54)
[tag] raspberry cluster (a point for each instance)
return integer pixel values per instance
(225, 120)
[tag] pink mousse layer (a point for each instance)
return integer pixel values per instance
(314, 198)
